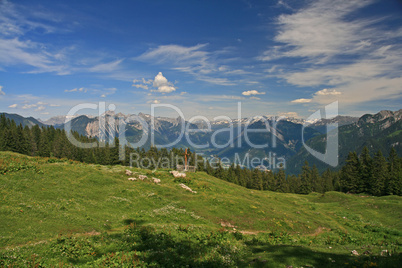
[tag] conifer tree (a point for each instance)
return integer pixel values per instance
(281, 183)
(305, 179)
(294, 183)
(380, 174)
(316, 181)
(366, 172)
(257, 180)
(350, 174)
(394, 180)
(328, 181)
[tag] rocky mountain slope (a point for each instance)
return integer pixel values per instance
(229, 138)
(379, 131)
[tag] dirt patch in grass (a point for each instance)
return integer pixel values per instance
(319, 230)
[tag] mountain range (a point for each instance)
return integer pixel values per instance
(228, 139)
(379, 131)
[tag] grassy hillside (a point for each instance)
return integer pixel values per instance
(60, 212)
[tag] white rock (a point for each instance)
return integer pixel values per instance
(354, 252)
(384, 252)
(132, 179)
(186, 188)
(155, 180)
(177, 174)
(142, 177)
(129, 172)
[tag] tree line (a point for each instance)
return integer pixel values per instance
(375, 175)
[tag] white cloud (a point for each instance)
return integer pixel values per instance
(103, 96)
(323, 95)
(106, 67)
(1, 91)
(40, 108)
(252, 92)
(144, 84)
(362, 55)
(162, 84)
(326, 92)
(14, 20)
(255, 98)
(147, 81)
(13, 106)
(159, 83)
(29, 106)
(154, 101)
(223, 68)
(193, 60)
(140, 86)
(54, 105)
(81, 90)
(177, 54)
(320, 31)
(301, 101)
(16, 52)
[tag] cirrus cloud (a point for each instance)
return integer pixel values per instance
(339, 46)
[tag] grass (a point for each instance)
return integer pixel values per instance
(59, 212)
(393, 134)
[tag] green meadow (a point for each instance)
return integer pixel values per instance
(62, 213)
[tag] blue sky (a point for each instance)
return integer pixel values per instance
(282, 57)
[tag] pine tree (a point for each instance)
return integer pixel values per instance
(32, 147)
(257, 180)
(316, 180)
(305, 180)
(10, 138)
(44, 144)
(366, 172)
(281, 183)
(294, 183)
(380, 174)
(115, 151)
(394, 180)
(328, 181)
(350, 174)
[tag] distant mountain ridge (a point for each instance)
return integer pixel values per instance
(321, 125)
(24, 121)
(377, 131)
(58, 120)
